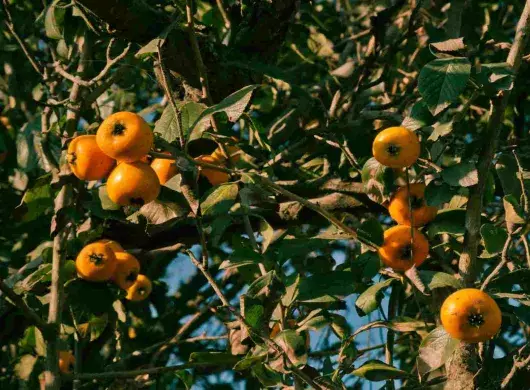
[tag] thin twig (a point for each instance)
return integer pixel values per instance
(270, 343)
(223, 13)
(526, 249)
(517, 364)
(500, 266)
(28, 312)
(526, 205)
(203, 74)
(170, 97)
(11, 26)
(146, 371)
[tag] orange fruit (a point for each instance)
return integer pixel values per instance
(396, 147)
(471, 315)
(66, 362)
(397, 251)
(140, 289)
(421, 213)
(86, 160)
(125, 136)
(164, 168)
(114, 245)
(133, 184)
(213, 176)
(127, 270)
(96, 262)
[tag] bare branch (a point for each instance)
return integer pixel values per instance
(500, 266)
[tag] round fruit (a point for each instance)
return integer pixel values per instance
(164, 168)
(213, 176)
(127, 270)
(133, 184)
(96, 262)
(66, 362)
(421, 213)
(140, 289)
(125, 136)
(397, 250)
(86, 160)
(114, 245)
(396, 147)
(471, 315)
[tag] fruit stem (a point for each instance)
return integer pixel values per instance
(118, 129)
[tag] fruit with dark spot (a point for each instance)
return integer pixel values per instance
(140, 289)
(400, 252)
(133, 184)
(96, 262)
(398, 208)
(396, 147)
(125, 136)
(471, 315)
(127, 270)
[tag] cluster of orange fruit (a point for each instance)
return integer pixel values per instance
(119, 152)
(469, 314)
(106, 260)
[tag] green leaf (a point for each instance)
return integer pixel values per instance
(106, 203)
(242, 256)
(496, 76)
(249, 361)
(294, 345)
(41, 274)
(38, 200)
(371, 231)
(438, 194)
(94, 327)
(435, 350)
(267, 232)
(149, 48)
(158, 212)
(220, 199)
(434, 279)
(218, 227)
(332, 285)
(24, 367)
(440, 130)
(370, 299)
(365, 267)
(451, 221)
(259, 286)
(514, 213)
(167, 126)
(253, 312)
(378, 180)
(233, 105)
(449, 45)
(463, 174)
(506, 168)
(53, 21)
(189, 113)
(267, 376)
(441, 81)
(33, 341)
(419, 117)
(494, 237)
(375, 370)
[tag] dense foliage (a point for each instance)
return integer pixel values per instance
(271, 278)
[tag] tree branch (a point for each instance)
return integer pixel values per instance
(28, 312)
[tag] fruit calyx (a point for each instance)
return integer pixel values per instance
(393, 150)
(476, 320)
(97, 259)
(118, 129)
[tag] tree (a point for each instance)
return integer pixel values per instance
(265, 244)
